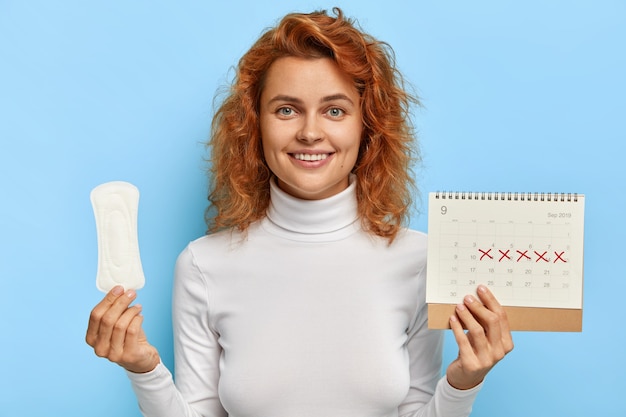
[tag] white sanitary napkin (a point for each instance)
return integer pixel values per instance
(115, 208)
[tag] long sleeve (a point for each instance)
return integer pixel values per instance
(157, 395)
(196, 355)
(430, 395)
(196, 349)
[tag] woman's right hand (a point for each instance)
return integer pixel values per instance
(115, 332)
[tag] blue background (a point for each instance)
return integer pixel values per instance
(518, 96)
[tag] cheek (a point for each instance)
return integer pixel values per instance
(266, 139)
(268, 152)
(353, 141)
(270, 136)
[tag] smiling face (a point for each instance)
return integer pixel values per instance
(311, 126)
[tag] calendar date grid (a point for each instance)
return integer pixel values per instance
(527, 262)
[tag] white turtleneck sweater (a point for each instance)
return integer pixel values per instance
(306, 315)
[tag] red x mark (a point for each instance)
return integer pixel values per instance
(485, 253)
(540, 256)
(504, 255)
(522, 255)
(559, 257)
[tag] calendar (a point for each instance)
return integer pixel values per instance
(527, 248)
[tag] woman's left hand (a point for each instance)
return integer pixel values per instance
(487, 340)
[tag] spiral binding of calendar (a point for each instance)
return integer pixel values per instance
(505, 196)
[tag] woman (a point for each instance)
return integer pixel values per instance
(307, 299)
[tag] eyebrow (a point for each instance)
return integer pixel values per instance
(332, 97)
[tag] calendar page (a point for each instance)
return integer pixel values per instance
(526, 247)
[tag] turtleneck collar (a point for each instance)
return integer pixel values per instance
(312, 220)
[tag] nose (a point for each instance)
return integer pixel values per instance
(311, 131)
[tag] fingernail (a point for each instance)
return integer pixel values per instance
(482, 288)
(460, 307)
(130, 293)
(469, 299)
(117, 290)
(453, 318)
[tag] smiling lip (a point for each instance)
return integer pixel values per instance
(310, 156)
(311, 159)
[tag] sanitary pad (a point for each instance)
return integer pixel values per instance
(115, 208)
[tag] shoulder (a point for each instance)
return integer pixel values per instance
(412, 246)
(209, 251)
(223, 241)
(409, 239)
(414, 235)
(407, 250)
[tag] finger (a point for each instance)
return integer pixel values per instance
(98, 312)
(134, 334)
(109, 320)
(140, 356)
(491, 302)
(507, 337)
(115, 310)
(465, 347)
(488, 320)
(119, 340)
(475, 331)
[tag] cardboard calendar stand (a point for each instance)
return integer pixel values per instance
(520, 318)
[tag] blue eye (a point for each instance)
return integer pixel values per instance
(285, 111)
(335, 112)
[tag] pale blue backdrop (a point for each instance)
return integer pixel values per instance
(522, 96)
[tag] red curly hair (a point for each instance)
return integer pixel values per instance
(239, 174)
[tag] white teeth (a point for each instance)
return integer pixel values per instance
(310, 157)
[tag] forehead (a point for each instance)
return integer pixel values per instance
(308, 77)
